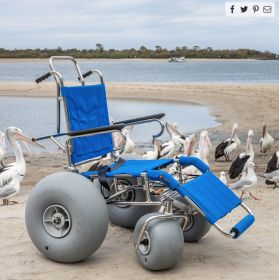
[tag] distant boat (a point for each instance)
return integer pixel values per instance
(177, 59)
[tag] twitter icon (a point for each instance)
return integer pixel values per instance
(243, 9)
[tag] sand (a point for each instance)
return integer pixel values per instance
(253, 256)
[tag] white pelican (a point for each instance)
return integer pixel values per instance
(247, 180)
(266, 140)
(3, 148)
(178, 138)
(240, 163)
(151, 155)
(229, 145)
(12, 174)
(167, 149)
(223, 178)
(272, 166)
(129, 145)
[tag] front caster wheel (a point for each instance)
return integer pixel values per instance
(162, 244)
(66, 217)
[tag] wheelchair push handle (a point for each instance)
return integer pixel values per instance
(90, 72)
(145, 118)
(43, 77)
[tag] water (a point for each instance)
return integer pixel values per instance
(37, 116)
(250, 71)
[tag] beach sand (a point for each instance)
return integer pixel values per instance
(253, 256)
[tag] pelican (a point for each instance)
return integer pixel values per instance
(266, 140)
(240, 163)
(223, 178)
(167, 149)
(271, 170)
(229, 145)
(3, 148)
(129, 145)
(178, 138)
(247, 180)
(12, 174)
(151, 155)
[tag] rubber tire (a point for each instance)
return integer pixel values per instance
(86, 207)
(167, 243)
(128, 216)
(200, 226)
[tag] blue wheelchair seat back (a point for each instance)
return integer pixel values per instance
(86, 108)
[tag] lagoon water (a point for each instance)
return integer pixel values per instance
(37, 116)
(161, 71)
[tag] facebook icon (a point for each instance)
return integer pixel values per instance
(232, 8)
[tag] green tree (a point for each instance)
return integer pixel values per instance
(99, 47)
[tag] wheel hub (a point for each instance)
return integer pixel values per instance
(145, 244)
(57, 221)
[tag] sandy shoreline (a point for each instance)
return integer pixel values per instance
(254, 256)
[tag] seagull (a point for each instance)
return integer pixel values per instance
(266, 141)
(3, 148)
(12, 174)
(152, 155)
(229, 145)
(247, 180)
(240, 163)
(129, 145)
(167, 149)
(272, 169)
(223, 178)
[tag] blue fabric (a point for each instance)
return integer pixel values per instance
(133, 167)
(87, 108)
(164, 177)
(214, 198)
(243, 225)
(185, 161)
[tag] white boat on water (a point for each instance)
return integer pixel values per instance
(177, 59)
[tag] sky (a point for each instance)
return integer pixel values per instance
(127, 24)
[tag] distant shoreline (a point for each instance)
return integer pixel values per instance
(17, 60)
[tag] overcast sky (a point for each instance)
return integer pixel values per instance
(130, 24)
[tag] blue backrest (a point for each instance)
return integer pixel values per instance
(86, 107)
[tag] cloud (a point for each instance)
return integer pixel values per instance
(129, 23)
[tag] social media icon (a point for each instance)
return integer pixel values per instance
(244, 9)
(256, 8)
(267, 9)
(232, 9)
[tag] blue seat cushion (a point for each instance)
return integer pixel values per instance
(214, 198)
(133, 167)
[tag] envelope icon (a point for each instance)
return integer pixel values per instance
(267, 9)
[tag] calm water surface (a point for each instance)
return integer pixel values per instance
(250, 71)
(37, 116)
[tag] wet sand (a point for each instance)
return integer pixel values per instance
(253, 256)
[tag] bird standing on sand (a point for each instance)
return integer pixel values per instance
(229, 145)
(272, 170)
(167, 149)
(3, 148)
(223, 178)
(12, 174)
(247, 180)
(152, 155)
(178, 138)
(129, 145)
(240, 163)
(266, 141)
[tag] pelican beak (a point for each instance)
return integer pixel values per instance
(26, 139)
(27, 151)
(208, 141)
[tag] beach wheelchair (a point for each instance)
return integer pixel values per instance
(67, 213)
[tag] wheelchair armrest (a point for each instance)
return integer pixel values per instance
(87, 132)
(146, 119)
(185, 161)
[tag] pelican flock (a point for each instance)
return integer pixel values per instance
(12, 174)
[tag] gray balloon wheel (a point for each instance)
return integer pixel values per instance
(127, 216)
(66, 217)
(197, 226)
(162, 244)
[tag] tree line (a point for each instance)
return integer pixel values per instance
(143, 52)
